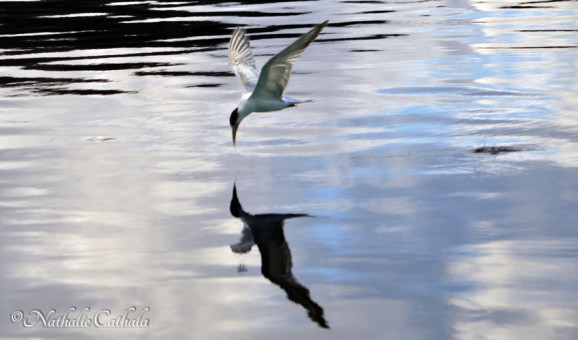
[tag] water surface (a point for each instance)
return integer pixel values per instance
(117, 170)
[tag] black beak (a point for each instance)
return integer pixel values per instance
(234, 128)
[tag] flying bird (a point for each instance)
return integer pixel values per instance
(263, 92)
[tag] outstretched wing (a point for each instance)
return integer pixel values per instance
(276, 72)
(242, 61)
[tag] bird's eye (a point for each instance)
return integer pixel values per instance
(233, 118)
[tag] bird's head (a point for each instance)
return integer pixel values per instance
(235, 206)
(234, 121)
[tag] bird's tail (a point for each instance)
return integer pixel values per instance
(293, 102)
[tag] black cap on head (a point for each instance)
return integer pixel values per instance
(234, 116)
(235, 206)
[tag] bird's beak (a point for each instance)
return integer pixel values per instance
(234, 128)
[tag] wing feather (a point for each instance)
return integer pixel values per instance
(276, 72)
(242, 60)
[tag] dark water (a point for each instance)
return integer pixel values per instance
(438, 167)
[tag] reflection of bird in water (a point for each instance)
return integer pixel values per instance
(264, 92)
(266, 230)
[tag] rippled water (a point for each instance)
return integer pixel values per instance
(438, 164)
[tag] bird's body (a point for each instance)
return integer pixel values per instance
(263, 91)
(257, 104)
